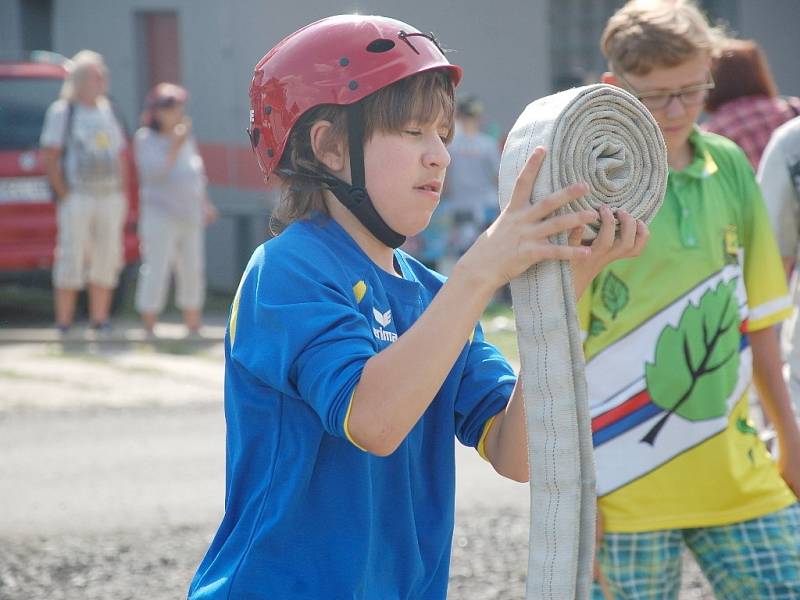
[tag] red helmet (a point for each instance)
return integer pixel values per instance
(337, 60)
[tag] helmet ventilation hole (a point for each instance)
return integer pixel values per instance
(380, 45)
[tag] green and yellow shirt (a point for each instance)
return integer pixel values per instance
(668, 360)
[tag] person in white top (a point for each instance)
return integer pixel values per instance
(82, 145)
(175, 208)
(779, 177)
(470, 190)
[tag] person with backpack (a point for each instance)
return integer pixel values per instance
(82, 143)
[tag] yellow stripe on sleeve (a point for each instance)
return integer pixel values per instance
(347, 423)
(481, 447)
(754, 324)
(234, 314)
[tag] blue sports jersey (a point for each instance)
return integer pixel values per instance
(308, 515)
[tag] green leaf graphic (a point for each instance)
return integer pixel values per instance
(700, 356)
(596, 326)
(614, 294)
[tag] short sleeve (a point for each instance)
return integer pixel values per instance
(485, 389)
(298, 331)
(767, 294)
(119, 130)
(780, 195)
(52, 135)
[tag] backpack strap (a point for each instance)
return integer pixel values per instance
(67, 133)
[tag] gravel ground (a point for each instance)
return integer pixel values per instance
(156, 561)
(489, 560)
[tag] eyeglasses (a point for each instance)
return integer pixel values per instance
(659, 99)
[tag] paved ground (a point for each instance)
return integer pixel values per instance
(113, 469)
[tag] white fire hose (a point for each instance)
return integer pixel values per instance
(602, 135)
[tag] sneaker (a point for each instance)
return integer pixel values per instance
(64, 333)
(101, 330)
(194, 335)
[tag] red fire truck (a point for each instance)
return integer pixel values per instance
(27, 209)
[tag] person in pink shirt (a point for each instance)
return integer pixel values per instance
(744, 105)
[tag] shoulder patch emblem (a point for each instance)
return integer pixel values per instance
(359, 290)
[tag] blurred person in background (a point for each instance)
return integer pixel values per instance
(779, 178)
(82, 144)
(745, 106)
(470, 188)
(175, 208)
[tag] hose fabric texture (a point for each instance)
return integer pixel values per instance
(604, 136)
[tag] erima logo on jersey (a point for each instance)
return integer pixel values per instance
(383, 319)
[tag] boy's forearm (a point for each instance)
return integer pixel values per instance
(507, 441)
(581, 281)
(788, 266)
(398, 384)
(772, 390)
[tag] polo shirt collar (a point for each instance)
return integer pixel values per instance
(703, 164)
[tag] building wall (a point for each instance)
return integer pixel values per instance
(773, 24)
(505, 60)
(506, 50)
(10, 27)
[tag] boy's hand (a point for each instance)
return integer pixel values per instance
(518, 238)
(607, 247)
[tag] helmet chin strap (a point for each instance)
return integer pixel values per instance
(354, 196)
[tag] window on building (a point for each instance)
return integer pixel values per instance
(576, 27)
(36, 19)
(158, 44)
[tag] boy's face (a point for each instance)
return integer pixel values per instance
(405, 172)
(677, 118)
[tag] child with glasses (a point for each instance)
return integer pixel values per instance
(674, 339)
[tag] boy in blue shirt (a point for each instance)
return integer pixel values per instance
(351, 367)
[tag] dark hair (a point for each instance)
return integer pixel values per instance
(163, 95)
(167, 102)
(741, 69)
(419, 98)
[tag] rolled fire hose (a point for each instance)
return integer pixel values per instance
(603, 136)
